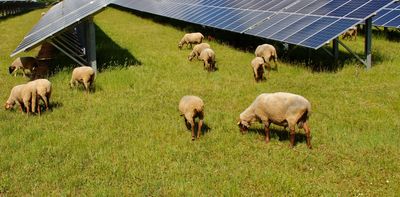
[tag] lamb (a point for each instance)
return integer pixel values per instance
(267, 52)
(281, 108)
(191, 107)
(22, 63)
(197, 49)
(191, 38)
(208, 57)
(258, 68)
(350, 33)
(21, 94)
(42, 91)
(84, 75)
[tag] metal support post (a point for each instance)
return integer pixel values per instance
(335, 51)
(368, 42)
(91, 43)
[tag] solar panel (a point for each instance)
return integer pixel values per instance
(309, 23)
(58, 18)
(389, 16)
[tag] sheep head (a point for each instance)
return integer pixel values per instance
(243, 126)
(8, 105)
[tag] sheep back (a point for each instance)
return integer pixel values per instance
(266, 51)
(197, 49)
(191, 106)
(281, 108)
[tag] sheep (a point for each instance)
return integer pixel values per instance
(191, 38)
(191, 107)
(267, 52)
(258, 68)
(281, 108)
(84, 75)
(350, 33)
(22, 63)
(208, 57)
(197, 50)
(23, 95)
(40, 71)
(42, 91)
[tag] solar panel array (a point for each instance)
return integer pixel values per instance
(308, 23)
(389, 16)
(59, 17)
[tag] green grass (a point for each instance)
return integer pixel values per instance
(127, 138)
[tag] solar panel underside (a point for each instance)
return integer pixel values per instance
(389, 16)
(58, 18)
(308, 23)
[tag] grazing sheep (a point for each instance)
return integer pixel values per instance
(22, 63)
(208, 57)
(197, 49)
(283, 109)
(42, 91)
(84, 75)
(190, 108)
(21, 94)
(258, 68)
(267, 52)
(191, 38)
(350, 33)
(40, 71)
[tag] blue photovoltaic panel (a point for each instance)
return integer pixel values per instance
(389, 16)
(281, 20)
(58, 18)
(332, 31)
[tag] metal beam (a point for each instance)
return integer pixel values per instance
(67, 54)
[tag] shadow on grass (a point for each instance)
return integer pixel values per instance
(315, 60)
(109, 55)
(281, 134)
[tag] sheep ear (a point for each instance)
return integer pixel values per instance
(238, 123)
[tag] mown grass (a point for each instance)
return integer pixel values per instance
(127, 138)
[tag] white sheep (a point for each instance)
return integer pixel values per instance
(84, 75)
(281, 108)
(22, 63)
(267, 52)
(258, 68)
(197, 49)
(42, 91)
(350, 33)
(21, 94)
(208, 57)
(191, 107)
(190, 38)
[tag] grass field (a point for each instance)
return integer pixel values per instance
(127, 137)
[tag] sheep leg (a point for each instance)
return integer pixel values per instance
(292, 137)
(192, 127)
(267, 137)
(86, 84)
(308, 134)
(268, 67)
(201, 116)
